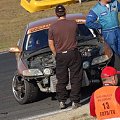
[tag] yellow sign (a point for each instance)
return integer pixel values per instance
(38, 5)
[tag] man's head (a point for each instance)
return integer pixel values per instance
(60, 11)
(109, 75)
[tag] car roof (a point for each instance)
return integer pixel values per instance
(51, 20)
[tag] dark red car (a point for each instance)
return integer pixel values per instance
(36, 65)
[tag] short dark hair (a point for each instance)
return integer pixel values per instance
(60, 10)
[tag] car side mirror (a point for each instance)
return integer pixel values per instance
(14, 50)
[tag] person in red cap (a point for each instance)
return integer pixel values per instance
(105, 101)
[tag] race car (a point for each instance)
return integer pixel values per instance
(36, 66)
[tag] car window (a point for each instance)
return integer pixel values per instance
(37, 40)
(21, 38)
(84, 31)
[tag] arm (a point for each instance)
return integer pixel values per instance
(52, 47)
(51, 41)
(117, 95)
(118, 4)
(92, 106)
(91, 21)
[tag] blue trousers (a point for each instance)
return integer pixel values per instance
(112, 38)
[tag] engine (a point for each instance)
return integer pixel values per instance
(42, 61)
(89, 51)
(47, 60)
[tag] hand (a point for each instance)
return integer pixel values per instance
(101, 39)
(54, 55)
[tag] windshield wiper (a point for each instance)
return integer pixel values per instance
(85, 38)
(34, 53)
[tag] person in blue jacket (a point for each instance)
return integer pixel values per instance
(104, 16)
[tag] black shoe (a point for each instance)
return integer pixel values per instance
(62, 105)
(75, 105)
(53, 96)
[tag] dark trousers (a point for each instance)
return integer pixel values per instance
(65, 62)
(112, 37)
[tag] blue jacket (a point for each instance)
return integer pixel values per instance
(101, 17)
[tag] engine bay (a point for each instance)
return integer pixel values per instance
(88, 50)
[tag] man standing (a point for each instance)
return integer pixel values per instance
(63, 44)
(105, 102)
(104, 16)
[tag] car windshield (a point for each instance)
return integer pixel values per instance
(38, 40)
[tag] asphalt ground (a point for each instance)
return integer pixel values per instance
(10, 109)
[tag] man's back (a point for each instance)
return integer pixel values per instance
(64, 32)
(105, 102)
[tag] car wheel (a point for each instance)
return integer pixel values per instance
(23, 90)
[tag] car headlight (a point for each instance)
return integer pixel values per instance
(99, 59)
(32, 72)
(47, 71)
(86, 64)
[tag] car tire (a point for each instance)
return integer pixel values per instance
(24, 91)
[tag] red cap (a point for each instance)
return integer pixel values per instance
(109, 71)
